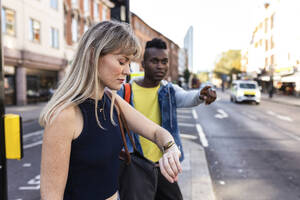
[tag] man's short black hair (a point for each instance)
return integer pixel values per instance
(156, 43)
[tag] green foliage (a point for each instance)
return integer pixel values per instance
(186, 75)
(229, 63)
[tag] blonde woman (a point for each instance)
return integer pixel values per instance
(82, 138)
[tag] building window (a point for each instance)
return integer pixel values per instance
(272, 59)
(96, 10)
(35, 30)
(86, 6)
(272, 21)
(8, 21)
(266, 62)
(272, 43)
(266, 25)
(104, 13)
(260, 42)
(54, 4)
(54, 37)
(74, 30)
(266, 43)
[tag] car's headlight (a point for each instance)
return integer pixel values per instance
(240, 93)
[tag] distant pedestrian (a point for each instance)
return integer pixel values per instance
(82, 139)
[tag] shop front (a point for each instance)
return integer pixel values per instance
(40, 85)
(9, 85)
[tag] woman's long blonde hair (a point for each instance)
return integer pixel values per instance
(82, 80)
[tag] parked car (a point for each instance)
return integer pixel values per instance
(245, 90)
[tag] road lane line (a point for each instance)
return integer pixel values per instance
(33, 144)
(27, 165)
(184, 111)
(186, 124)
(291, 135)
(195, 114)
(202, 136)
(187, 136)
(40, 132)
(184, 117)
(282, 117)
(285, 118)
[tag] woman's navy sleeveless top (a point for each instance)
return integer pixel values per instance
(94, 161)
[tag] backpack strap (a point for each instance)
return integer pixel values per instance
(127, 92)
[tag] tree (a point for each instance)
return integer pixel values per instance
(229, 63)
(186, 75)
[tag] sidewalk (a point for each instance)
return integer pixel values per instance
(195, 181)
(277, 98)
(27, 112)
(282, 99)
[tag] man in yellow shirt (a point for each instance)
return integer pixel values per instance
(158, 100)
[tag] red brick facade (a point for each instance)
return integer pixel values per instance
(145, 33)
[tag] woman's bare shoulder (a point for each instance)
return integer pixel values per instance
(69, 120)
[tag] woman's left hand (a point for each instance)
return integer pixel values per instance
(169, 163)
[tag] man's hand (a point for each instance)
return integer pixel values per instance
(208, 94)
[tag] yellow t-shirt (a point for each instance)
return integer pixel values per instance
(146, 102)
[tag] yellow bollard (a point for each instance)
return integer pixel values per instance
(13, 136)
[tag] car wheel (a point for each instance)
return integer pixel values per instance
(257, 103)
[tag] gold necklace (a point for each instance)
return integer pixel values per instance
(102, 109)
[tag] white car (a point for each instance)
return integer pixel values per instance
(245, 90)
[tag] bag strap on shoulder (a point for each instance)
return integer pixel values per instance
(123, 126)
(127, 92)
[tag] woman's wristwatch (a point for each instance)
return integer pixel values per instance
(168, 145)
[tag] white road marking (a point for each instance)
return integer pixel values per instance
(282, 117)
(202, 137)
(285, 118)
(33, 144)
(195, 114)
(187, 136)
(40, 132)
(34, 184)
(291, 135)
(186, 124)
(221, 114)
(222, 182)
(250, 116)
(184, 111)
(27, 165)
(184, 117)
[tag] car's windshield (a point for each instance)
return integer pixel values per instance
(247, 86)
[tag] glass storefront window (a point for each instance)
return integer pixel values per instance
(9, 89)
(40, 85)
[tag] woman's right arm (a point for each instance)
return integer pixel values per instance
(56, 150)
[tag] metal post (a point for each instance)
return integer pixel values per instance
(3, 170)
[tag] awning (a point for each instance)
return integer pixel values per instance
(292, 78)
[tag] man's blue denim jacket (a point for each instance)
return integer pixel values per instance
(170, 97)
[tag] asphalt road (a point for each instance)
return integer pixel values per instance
(253, 151)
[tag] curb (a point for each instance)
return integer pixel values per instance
(280, 102)
(195, 181)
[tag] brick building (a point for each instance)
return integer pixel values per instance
(145, 33)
